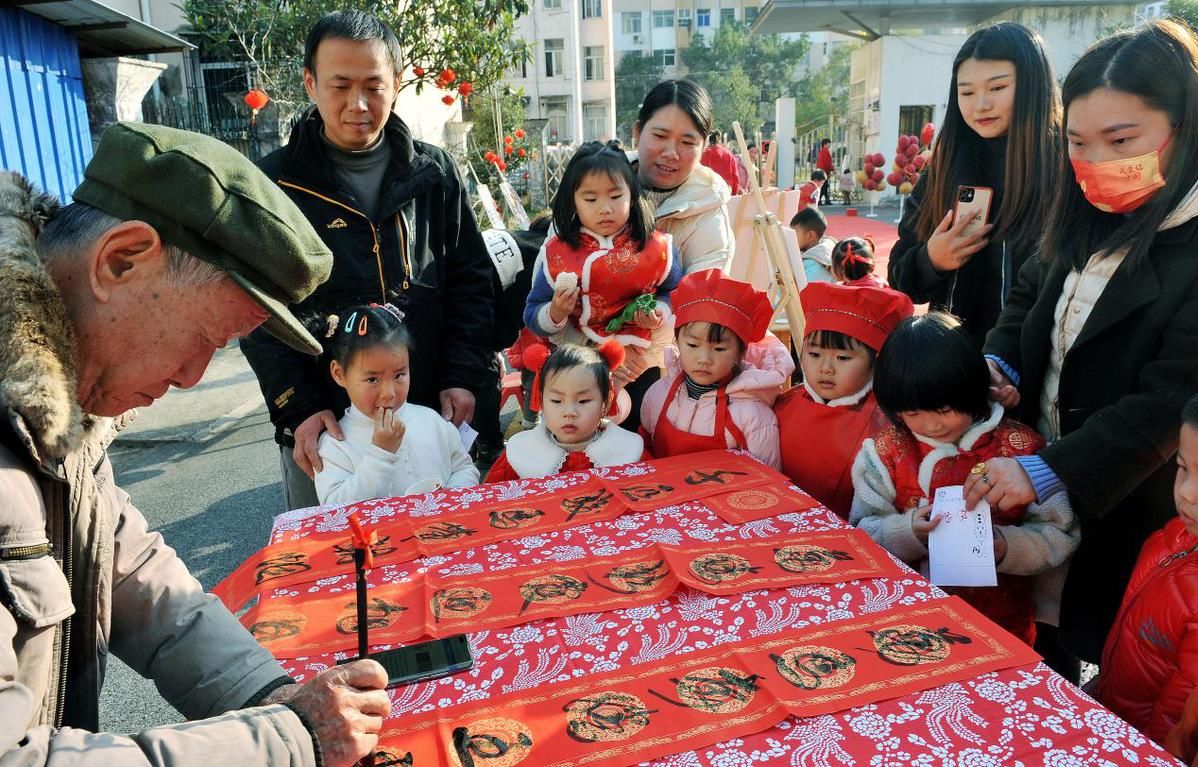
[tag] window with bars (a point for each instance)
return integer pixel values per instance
(556, 109)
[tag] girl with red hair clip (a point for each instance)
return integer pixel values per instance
(574, 392)
(853, 263)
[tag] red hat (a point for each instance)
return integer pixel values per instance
(712, 296)
(862, 312)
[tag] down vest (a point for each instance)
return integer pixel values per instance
(1150, 662)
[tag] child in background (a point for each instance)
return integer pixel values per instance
(809, 190)
(933, 383)
(1150, 662)
(809, 225)
(824, 420)
(391, 446)
(573, 390)
(724, 374)
(853, 263)
(603, 259)
(847, 185)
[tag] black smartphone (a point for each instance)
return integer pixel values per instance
(423, 661)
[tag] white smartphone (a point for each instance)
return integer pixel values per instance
(974, 203)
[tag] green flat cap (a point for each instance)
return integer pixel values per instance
(203, 196)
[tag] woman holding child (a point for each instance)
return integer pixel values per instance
(1000, 129)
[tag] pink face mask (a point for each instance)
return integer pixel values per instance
(1120, 186)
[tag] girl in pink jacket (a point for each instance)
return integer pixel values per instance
(724, 373)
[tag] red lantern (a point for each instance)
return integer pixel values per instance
(256, 99)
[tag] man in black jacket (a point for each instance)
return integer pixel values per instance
(396, 215)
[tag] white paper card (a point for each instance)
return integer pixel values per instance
(514, 205)
(468, 436)
(961, 548)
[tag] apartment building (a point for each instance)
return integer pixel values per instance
(664, 28)
(570, 78)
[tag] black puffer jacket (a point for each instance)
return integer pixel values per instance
(423, 253)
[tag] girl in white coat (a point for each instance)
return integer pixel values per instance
(391, 446)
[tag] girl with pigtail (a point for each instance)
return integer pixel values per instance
(391, 447)
(574, 392)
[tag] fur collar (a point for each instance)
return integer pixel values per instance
(846, 401)
(948, 449)
(37, 352)
(533, 453)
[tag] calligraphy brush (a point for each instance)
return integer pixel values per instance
(363, 561)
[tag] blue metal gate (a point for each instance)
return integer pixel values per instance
(43, 114)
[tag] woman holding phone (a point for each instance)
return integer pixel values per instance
(998, 140)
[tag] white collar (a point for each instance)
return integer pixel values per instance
(534, 453)
(846, 401)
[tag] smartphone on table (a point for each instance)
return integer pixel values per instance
(424, 660)
(973, 202)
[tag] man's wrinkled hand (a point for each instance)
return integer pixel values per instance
(345, 707)
(307, 436)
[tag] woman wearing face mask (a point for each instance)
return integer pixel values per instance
(688, 200)
(1000, 131)
(1098, 342)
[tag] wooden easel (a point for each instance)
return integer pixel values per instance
(767, 234)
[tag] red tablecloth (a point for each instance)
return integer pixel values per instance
(1021, 716)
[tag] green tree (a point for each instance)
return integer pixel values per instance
(483, 137)
(825, 91)
(635, 75)
(474, 38)
(1184, 10)
(767, 63)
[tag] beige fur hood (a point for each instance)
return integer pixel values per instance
(37, 342)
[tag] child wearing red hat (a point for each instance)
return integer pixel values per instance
(573, 390)
(723, 375)
(824, 421)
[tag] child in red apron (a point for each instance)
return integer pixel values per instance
(573, 390)
(724, 374)
(933, 383)
(823, 422)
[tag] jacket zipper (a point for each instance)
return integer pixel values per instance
(68, 568)
(373, 231)
(26, 552)
(403, 248)
(1162, 567)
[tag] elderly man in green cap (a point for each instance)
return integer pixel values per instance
(174, 245)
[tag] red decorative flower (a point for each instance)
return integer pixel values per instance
(508, 149)
(447, 76)
(519, 133)
(508, 140)
(418, 71)
(447, 99)
(501, 165)
(465, 89)
(521, 153)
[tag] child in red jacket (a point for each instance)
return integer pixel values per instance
(1150, 662)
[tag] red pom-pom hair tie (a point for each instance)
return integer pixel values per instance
(534, 359)
(612, 353)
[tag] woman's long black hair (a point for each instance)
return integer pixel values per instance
(1030, 174)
